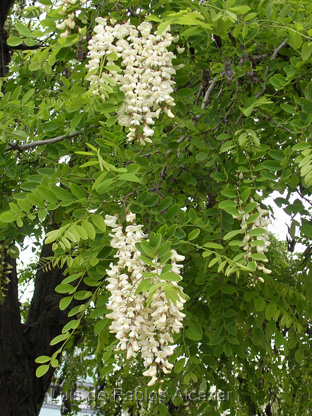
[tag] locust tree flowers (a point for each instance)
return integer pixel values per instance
(254, 225)
(144, 74)
(68, 11)
(146, 307)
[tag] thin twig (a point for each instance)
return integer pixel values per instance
(276, 51)
(212, 86)
(229, 110)
(181, 139)
(279, 125)
(273, 56)
(199, 93)
(21, 147)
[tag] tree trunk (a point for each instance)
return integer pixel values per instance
(5, 55)
(21, 392)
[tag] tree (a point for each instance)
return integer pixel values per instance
(187, 115)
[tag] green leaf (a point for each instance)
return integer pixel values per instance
(306, 50)
(170, 277)
(288, 108)
(227, 349)
(77, 191)
(193, 234)
(99, 222)
(245, 195)
(60, 338)
(277, 81)
(229, 193)
(129, 177)
(295, 39)
(179, 365)
(260, 304)
(165, 203)
(305, 228)
(90, 230)
(172, 212)
(215, 246)
(163, 26)
(145, 248)
(299, 355)
(270, 311)
(217, 339)
(46, 194)
(65, 302)
(105, 186)
(259, 256)
(232, 234)
(229, 313)
(250, 207)
(42, 359)
(23, 30)
(14, 41)
(42, 370)
(231, 329)
(73, 324)
(231, 210)
(82, 295)
(28, 95)
(7, 217)
(61, 193)
(257, 231)
(194, 331)
(20, 134)
(64, 288)
(301, 146)
(239, 9)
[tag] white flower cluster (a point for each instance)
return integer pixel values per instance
(69, 22)
(138, 327)
(146, 75)
(254, 242)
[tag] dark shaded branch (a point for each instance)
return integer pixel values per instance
(273, 56)
(276, 51)
(21, 147)
(11, 345)
(5, 6)
(280, 126)
(24, 47)
(5, 55)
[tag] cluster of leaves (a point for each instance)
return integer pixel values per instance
(241, 130)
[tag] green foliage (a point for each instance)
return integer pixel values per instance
(242, 129)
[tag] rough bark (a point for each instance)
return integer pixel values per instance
(5, 53)
(21, 392)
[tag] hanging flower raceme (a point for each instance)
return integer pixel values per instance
(144, 76)
(256, 239)
(143, 321)
(68, 10)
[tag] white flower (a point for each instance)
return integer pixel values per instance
(148, 131)
(140, 329)
(153, 381)
(61, 26)
(249, 241)
(146, 73)
(111, 221)
(150, 372)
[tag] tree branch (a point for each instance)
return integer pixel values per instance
(280, 126)
(24, 47)
(276, 51)
(273, 56)
(20, 148)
